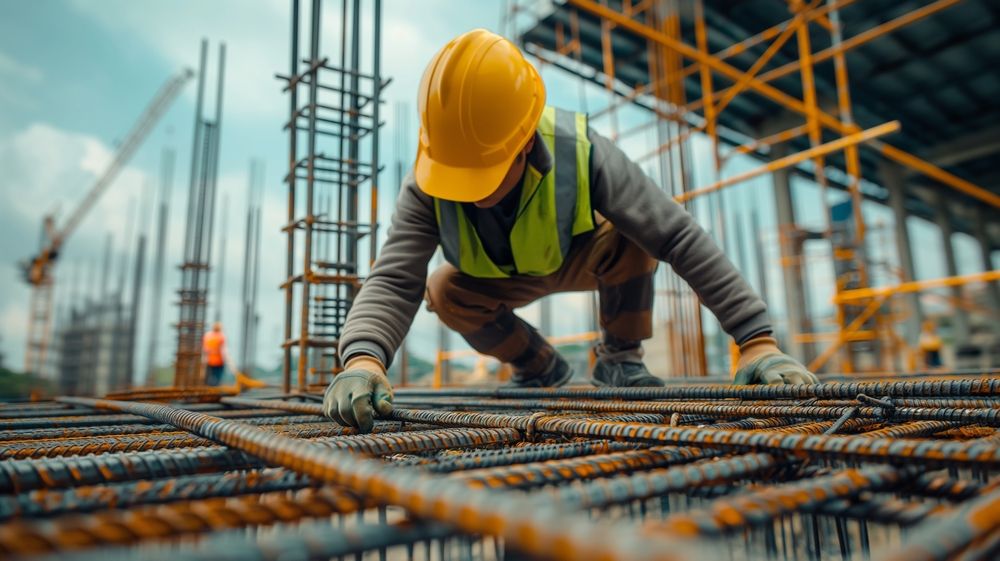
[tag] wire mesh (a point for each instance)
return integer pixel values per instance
(758, 473)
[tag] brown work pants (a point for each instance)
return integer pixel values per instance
(481, 310)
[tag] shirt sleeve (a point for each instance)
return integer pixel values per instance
(384, 308)
(644, 213)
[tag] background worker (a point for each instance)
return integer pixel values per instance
(930, 345)
(213, 352)
(526, 200)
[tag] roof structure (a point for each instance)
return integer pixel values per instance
(936, 74)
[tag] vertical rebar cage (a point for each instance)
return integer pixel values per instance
(193, 294)
(333, 145)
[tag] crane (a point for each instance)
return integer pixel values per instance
(38, 270)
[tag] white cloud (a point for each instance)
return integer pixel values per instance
(11, 69)
(58, 168)
(256, 42)
(48, 169)
(17, 78)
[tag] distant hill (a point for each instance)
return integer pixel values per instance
(17, 386)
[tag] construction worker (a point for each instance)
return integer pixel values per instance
(213, 352)
(526, 200)
(930, 345)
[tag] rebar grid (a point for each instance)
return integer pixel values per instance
(683, 472)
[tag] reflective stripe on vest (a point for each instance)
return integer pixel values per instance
(553, 208)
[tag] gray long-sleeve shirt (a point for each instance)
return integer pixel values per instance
(620, 191)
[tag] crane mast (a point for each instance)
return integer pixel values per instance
(39, 270)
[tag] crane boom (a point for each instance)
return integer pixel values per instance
(38, 269)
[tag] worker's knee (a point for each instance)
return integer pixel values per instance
(460, 301)
(440, 286)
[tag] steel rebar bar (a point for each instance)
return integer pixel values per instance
(543, 530)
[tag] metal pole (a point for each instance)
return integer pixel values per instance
(291, 179)
(133, 322)
(167, 158)
(310, 196)
(354, 143)
(195, 152)
(376, 95)
(220, 280)
(245, 281)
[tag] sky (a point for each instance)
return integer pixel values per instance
(76, 74)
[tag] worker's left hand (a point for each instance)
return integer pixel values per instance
(762, 362)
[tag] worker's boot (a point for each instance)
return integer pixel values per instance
(621, 366)
(556, 374)
(624, 375)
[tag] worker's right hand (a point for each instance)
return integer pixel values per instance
(357, 393)
(762, 362)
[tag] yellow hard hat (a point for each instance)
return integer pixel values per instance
(480, 101)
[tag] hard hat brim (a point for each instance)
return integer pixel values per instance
(458, 184)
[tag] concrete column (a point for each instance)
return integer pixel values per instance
(795, 301)
(942, 216)
(892, 179)
(986, 254)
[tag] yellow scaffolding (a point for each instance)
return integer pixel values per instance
(861, 310)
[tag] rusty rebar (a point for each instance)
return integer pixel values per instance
(100, 445)
(51, 410)
(912, 429)
(19, 476)
(87, 421)
(982, 416)
(51, 413)
(541, 530)
(421, 441)
(89, 431)
(861, 447)
(306, 541)
(528, 453)
(872, 449)
(943, 486)
(755, 509)
(172, 440)
(50, 502)
(757, 472)
(928, 453)
(942, 536)
(880, 510)
(658, 482)
(537, 474)
(291, 406)
(72, 471)
(123, 527)
(973, 387)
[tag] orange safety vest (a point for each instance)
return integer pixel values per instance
(930, 342)
(212, 345)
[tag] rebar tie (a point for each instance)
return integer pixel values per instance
(886, 407)
(836, 426)
(531, 423)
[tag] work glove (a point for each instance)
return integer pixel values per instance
(761, 362)
(357, 393)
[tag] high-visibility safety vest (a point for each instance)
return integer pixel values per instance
(554, 207)
(211, 345)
